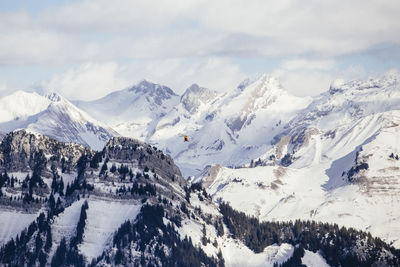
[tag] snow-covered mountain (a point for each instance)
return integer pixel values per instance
(336, 161)
(332, 158)
(127, 205)
(236, 127)
(134, 111)
(230, 128)
(53, 116)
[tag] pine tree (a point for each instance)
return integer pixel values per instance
(59, 256)
(204, 237)
(49, 240)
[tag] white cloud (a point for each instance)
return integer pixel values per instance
(5, 88)
(179, 42)
(89, 30)
(304, 64)
(219, 74)
(304, 77)
(87, 82)
(90, 81)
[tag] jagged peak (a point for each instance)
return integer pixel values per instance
(266, 85)
(197, 90)
(145, 86)
(247, 81)
(335, 86)
(265, 88)
(386, 80)
(54, 97)
(195, 95)
(256, 78)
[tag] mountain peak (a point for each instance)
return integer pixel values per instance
(265, 88)
(194, 87)
(195, 95)
(151, 88)
(145, 83)
(157, 91)
(21, 104)
(256, 79)
(53, 97)
(389, 80)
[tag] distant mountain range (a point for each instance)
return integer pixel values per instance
(332, 158)
(53, 116)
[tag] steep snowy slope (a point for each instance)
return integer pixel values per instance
(128, 205)
(335, 162)
(53, 116)
(344, 117)
(13, 221)
(21, 105)
(104, 218)
(230, 129)
(135, 111)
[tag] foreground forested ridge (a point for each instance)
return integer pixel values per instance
(175, 223)
(339, 246)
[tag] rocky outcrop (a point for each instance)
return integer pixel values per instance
(158, 92)
(131, 150)
(194, 96)
(19, 151)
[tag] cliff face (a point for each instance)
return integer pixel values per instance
(131, 150)
(20, 151)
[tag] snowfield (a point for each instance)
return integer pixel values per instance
(340, 166)
(104, 219)
(312, 259)
(12, 223)
(64, 225)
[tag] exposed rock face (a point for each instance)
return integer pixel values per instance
(19, 151)
(131, 150)
(2, 135)
(195, 95)
(209, 175)
(158, 92)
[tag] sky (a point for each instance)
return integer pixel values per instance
(89, 48)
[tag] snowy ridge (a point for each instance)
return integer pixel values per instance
(20, 105)
(133, 111)
(53, 116)
(231, 128)
(333, 158)
(331, 163)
